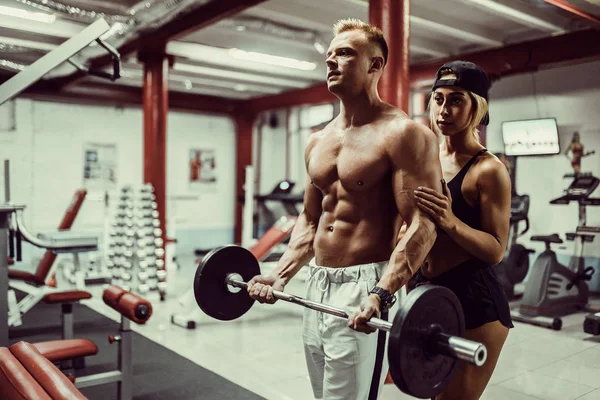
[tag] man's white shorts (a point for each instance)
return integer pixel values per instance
(341, 362)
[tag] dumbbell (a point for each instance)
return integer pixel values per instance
(149, 205)
(161, 274)
(142, 276)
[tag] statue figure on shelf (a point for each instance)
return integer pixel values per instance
(577, 152)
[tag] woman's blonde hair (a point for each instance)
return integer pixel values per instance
(478, 111)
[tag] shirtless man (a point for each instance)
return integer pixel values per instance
(362, 170)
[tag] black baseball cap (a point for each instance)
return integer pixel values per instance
(469, 77)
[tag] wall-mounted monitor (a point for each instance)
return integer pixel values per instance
(530, 137)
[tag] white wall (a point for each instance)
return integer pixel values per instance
(204, 215)
(272, 151)
(46, 155)
(570, 94)
(273, 145)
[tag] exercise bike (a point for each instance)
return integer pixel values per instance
(554, 290)
(514, 266)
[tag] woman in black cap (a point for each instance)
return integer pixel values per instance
(472, 215)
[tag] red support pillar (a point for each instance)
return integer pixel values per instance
(419, 108)
(156, 108)
(392, 17)
(244, 124)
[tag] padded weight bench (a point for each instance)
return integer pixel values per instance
(44, 274)
(25, 374)
(42, 283)
(132, 308)
(279, 232)
(66, 300)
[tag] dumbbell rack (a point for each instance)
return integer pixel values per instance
(82, 274)
(135, 256)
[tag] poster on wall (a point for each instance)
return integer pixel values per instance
(202, 164)
(100, 166)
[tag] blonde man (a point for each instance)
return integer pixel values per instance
(363, 168)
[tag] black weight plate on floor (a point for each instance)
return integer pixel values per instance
(211, 291)
(414, 369)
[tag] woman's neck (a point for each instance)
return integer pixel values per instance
(461, 143)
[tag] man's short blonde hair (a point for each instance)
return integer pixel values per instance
(373, 33)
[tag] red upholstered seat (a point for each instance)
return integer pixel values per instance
(60, 350)
(15, 381)
(130, 305)
(275, 235)
(23, 276)
(67, 297)
(44, 373)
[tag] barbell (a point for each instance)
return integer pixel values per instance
(425, 341)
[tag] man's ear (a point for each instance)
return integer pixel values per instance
(376, 64)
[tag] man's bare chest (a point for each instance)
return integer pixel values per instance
(357, 163)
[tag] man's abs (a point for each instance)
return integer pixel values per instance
(355, 236)
(351, 170)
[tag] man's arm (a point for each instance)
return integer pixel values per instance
(300, 248)
(414, 154)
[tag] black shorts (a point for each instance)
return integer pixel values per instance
(477, 287)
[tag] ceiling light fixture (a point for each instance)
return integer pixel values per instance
(32, 16)
(319, 43)
(319, 46)
(272, 60)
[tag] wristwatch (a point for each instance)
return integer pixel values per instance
(387, 299)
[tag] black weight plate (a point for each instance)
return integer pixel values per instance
(518, 264)
(414, 369)
(212, 293)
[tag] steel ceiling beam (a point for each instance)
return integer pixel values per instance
(575, 10)
(522, 57)
(505, 61)
(312, 95)
(111, 94)
(201, 17)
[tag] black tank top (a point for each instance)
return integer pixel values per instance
(463, 211)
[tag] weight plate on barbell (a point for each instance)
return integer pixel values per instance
(415, 369)
(212, 293)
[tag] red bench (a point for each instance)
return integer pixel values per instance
(25, 374)
(132, 308)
